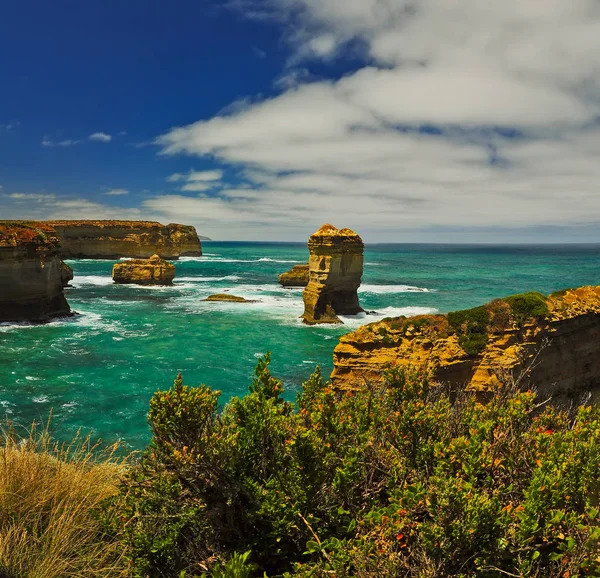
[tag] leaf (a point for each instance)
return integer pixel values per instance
(312, 547)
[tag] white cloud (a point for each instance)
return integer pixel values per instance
(46, 142)
(100, 137)
(467, 115)
(117, 192)
(197, 181)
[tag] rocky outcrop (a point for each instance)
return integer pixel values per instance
(31, 281)
(153, 271)
(66, 274)
(335, 272)
(225, 297)
(295, 277)
(552, 343)
(115, 239)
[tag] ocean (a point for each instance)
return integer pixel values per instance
(97, 371)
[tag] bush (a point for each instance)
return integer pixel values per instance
(391, 480)
(471, 326)
(527, 306)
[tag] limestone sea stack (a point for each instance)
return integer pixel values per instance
(295, 277)
(227, 298)
(115, 239)
(552, 343)
(66, 274)
(31, 278)
(335, 272)
(153, 271)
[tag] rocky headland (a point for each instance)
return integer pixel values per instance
(115, 239)
(153, 271)
(297, 276)
(552, 343)
(31, 273)
(335, 272)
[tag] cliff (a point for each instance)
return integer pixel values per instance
(115, 239)
(31, 273)
(552, 342)
(297, 276)
(153, 271)
(335, 271)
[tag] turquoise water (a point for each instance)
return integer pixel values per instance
(98, 370)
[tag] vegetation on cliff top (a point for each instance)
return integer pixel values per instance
(391, 480)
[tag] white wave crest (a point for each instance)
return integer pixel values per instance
(97, 280)
(388, 289)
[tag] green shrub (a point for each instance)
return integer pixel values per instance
(391, 480)
(471, 326)
(527, 306)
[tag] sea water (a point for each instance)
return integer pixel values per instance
(97, 370)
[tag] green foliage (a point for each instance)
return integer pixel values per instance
(391, 480)
(526, 306)
(471, 326)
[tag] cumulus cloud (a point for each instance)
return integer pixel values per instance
(100, 137)
(117, 192)
(464, 115)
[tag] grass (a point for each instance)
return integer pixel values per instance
(50, 495)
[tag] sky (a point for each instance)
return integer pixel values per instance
(406, 120)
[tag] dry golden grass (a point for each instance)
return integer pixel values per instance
(49, 497)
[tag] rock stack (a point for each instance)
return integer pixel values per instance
(335, 272)
(295, 277)
(153, 271)
(31, 273)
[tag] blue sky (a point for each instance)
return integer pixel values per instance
(261, 119)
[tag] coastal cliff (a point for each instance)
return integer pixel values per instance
(31, 273)
(115, 239)
(335, 271)
(552, 342)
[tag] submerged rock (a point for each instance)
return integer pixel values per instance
(552, 343)
(335, 272)
(295, 277)
(153, 271)
(31, 281)
(115, 239)
(228, 298)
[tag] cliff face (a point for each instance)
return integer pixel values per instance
(335, 271)
(552, 342)
(295, 277)
(153, 271)
(31, 276)
(114, 239)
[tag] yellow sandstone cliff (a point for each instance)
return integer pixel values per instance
(335, 271)
(115, 239)
(552, 343)
(31, 273)
(153, 271)
(297, 276)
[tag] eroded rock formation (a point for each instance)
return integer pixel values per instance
(115, 239)
(335, 272)
(66, 274)
(297, 276)
(153, 271)
(31, 275)
(552, 342)
(227, 298)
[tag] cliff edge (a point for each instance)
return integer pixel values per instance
(31, 273)
(115, 239)
(552, 342)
